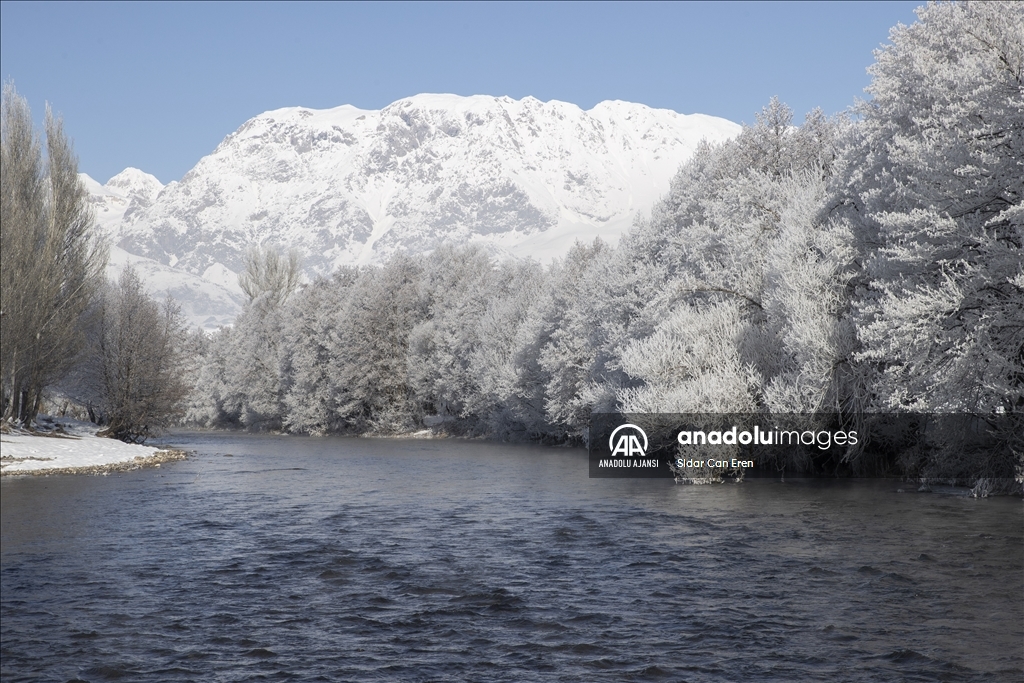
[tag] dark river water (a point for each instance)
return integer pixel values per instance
(377, 560)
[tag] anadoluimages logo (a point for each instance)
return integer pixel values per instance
(628, 445)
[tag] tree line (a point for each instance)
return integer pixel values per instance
(864, 263)
(66, 330)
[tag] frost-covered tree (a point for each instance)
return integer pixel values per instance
(806, 304)
(570, 355)
(508, 396)
(256, 362)
(750, 311)
(469, 360)
(455, 286)
(370, 363)
(935, 177)
(256, 372)
(692, 363)
(270, 275)
(313, 340)
(601, 300)
(206, 403)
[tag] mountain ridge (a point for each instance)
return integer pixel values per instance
(524, 178)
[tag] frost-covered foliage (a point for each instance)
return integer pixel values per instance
(831, 268)
(312, 403)
(935, 178)
(751, 312)
(455, 287)
(269, 275)
(933, 181)
(472, 360)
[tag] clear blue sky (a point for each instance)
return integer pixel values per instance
(157, 86)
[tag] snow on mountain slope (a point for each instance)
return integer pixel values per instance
(123, 195)
(344, 185)
(207, 301)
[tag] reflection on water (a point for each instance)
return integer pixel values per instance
(373, 559)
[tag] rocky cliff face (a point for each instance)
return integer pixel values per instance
(348, 186)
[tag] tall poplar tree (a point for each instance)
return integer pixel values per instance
(51, 266)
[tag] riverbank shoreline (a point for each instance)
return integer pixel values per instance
(59, 445)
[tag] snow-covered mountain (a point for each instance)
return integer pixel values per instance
(207, 302)
(122, 196)
(351, 186)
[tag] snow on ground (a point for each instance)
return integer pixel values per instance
(64, 445)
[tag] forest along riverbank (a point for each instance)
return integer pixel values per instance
(65, 446)
(358, 559)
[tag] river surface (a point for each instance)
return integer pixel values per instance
(343, 559)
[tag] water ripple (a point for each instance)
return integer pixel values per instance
(366, 560)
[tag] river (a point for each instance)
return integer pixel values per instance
(345, 559)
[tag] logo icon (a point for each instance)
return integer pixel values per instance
(628, 445)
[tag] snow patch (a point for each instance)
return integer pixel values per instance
(77, 447)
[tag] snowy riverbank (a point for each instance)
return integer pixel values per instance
(66, 446)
